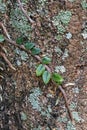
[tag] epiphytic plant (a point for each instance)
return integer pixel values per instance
(41, 69)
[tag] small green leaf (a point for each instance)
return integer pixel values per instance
(19, 40)
(40, 69)
(29, 45)
(46, 60)
(1, 38)
(46, 77)
(57, 78)
(35, 51)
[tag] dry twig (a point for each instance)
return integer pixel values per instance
(5, 30)
(3, 54)
(66, 102)
(7, 61)
(24, 49)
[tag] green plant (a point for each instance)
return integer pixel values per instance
(57, 78)
(46, 60)
(41, 70)
(28, 45)
(47, 76)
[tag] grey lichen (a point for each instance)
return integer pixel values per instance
(84, 4)
(60, 68)
(61, 21)
(70, 126)
(19, 22)
(37, 105)
(34, 98)
(65, 17)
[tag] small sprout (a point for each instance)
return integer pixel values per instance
(46, 77)
(40, 69)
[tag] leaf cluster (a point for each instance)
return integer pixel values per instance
(47, 76)
(41, 69)
(28, 45)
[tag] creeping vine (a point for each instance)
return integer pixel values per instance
(43, 68)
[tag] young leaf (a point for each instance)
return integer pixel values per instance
(46, 60)
(1, 38)
(29, 45)
(40, 69)
(46, 77)
(35, 51)
(19, 40)
(57, 78)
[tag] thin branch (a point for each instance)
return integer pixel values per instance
(29, 52)
(21, 47)
(66, 102)
(7, 61)
(5, 30)
(25, 13)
